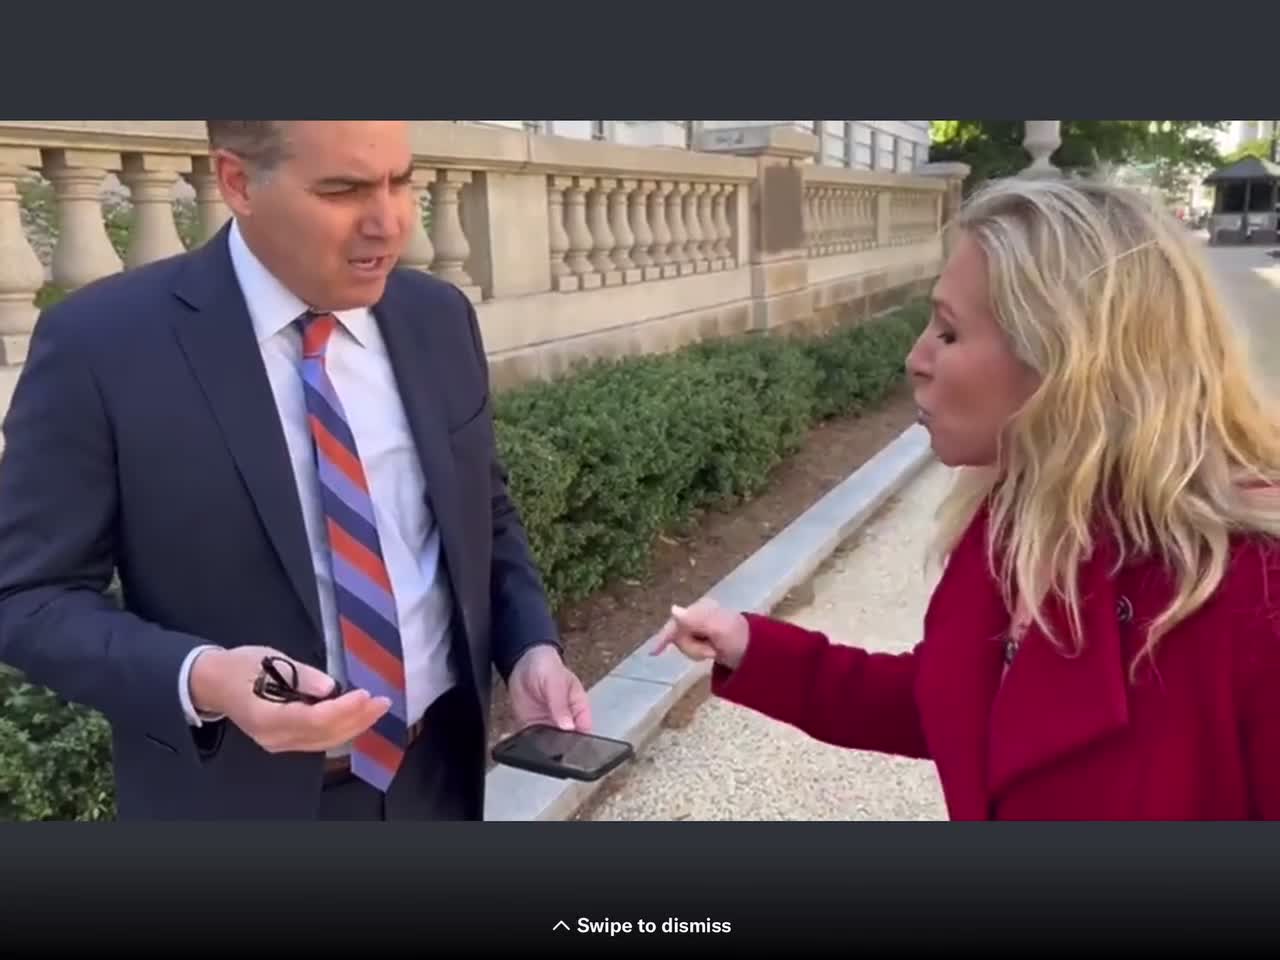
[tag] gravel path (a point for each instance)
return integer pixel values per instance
(730, 763)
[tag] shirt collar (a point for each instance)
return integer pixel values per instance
(272, 305)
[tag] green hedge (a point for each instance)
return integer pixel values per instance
(55, 758)
(601, 462)
(604, 461)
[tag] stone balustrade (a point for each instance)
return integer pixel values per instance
(839, 218)
(567, 248)
(914, 214)
(605, 231)
(846, 211)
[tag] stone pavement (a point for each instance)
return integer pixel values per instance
(1249, 278)
(729, 763)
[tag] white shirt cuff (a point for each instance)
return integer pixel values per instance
(194, 718)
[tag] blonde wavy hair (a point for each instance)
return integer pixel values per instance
(1147, 417)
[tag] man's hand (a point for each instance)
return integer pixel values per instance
(543, 690)
(222, 683)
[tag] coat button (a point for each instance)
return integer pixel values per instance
(1124, 610)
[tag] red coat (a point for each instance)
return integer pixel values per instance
(1060, 738)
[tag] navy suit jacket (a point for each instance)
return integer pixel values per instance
(143, 438)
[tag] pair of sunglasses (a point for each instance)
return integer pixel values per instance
(278, 682)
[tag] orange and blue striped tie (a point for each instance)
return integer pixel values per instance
(362, 587)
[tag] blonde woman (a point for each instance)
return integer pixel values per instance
(1104, 640)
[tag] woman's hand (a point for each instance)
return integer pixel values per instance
(706, 631)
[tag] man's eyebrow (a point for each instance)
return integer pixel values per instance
(351, 180)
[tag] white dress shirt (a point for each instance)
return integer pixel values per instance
(358, 366)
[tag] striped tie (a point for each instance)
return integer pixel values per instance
(362, 588)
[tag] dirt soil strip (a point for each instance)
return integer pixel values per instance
(604, 629)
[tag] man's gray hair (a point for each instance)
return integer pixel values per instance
(263, 143)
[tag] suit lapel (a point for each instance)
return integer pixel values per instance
(218, 339)
(421, 379)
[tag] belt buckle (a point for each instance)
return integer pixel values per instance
(336, 770)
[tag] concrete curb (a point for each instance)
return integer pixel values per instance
(632, 700)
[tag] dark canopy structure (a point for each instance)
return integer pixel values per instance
(1246, 202)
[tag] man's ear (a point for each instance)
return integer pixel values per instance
(234, 175)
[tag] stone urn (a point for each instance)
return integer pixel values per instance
(1040, 139)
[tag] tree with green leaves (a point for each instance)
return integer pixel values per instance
(1264, 149)
(993, 148)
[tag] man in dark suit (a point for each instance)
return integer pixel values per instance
(283, 444)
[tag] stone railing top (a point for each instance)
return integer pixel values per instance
(951, 169)
(435, 142)
(604, 159)
(839, 176)
(185, 137)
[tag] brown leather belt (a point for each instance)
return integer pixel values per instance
(337, 769)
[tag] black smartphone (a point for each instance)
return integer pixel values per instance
(553, 752)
